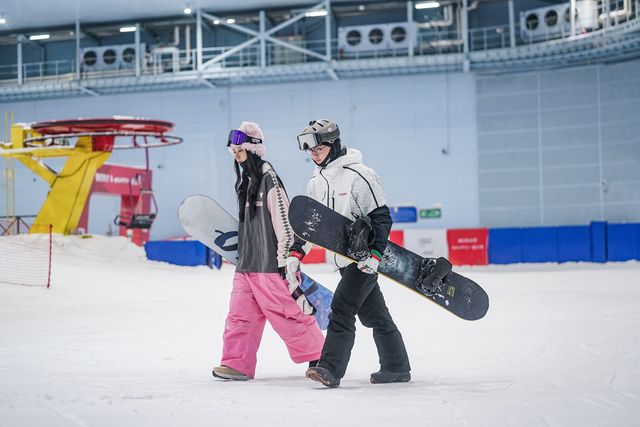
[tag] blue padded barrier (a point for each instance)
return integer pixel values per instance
(181, 252)
(539, 244)
(574, 243)
(598, 231)
(622, 242)
(505, 246)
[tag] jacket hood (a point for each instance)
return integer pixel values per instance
(353, 156)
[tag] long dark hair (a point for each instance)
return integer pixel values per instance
(248, 178)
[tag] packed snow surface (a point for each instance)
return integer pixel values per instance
(119, 340)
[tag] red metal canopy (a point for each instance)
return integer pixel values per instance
(125, 125)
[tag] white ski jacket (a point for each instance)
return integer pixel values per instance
(348, 187)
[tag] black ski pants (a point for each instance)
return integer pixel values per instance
(359, 293)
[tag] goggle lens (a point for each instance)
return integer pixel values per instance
(236, 137)
(308, 140)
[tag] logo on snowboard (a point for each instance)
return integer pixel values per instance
(221, 240)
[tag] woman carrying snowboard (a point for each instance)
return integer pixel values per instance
(260, 291)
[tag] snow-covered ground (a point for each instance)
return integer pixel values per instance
(122, 341)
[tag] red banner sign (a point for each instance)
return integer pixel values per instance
(468, 246)
(115, 179)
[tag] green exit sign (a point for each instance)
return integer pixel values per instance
(430, 213)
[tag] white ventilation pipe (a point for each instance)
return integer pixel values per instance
(620, 14)
(448, 16)
(167, 47)
(446, 22)
(176, 38)
(187, 45)
(456, 42)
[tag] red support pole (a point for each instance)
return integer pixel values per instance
(50, 249)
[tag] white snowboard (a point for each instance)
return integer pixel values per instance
(204, 219)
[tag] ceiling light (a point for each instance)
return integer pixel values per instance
(231, 21)
(187, 10)
(39, 37)
(316, 13)
(127, 29)
(216, 22)
(361, 7)
(2, 20)
(427, 5)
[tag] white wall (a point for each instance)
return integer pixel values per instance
(559, 147)
(400, 124)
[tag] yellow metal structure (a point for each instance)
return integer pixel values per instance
(69, 188)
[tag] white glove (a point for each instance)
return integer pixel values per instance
(301, 299)
(292, 267)
(370, 265)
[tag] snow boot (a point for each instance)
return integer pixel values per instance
(227, 373)
(385, 377)
(323, 376)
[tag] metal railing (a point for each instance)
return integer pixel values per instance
(432, 41)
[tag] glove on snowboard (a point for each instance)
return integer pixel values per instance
(293, 266)
(360, 235)
(370, 265)
(301, 299)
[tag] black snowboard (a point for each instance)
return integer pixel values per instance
(314, 222)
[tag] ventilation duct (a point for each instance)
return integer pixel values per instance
(555, 21)
(377, 39)
(117, 57)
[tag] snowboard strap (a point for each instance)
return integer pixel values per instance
(433, 274)
(360, 235)
(311, 289)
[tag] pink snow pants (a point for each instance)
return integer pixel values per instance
(256, 298)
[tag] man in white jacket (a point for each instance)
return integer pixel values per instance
(352, 189)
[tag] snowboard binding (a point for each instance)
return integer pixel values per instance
(433, 274)
(360, 235)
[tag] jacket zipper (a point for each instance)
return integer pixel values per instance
(328, 190)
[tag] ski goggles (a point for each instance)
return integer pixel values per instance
(237, 137)
(307, 141)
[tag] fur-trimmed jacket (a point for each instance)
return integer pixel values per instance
(264, 241)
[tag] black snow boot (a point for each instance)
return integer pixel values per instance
(323, 376)
(385, 377)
